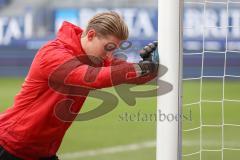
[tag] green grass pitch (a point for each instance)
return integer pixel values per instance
(110, 130)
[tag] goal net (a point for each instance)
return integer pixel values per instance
(210, 80)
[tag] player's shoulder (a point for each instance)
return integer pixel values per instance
(51, 55)
(54, 50)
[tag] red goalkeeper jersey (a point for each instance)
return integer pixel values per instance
(60, 76)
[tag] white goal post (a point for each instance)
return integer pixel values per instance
(170, 51)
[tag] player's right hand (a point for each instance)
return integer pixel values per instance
(147, 51)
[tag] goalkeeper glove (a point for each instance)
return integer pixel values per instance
(147, 52)
(147, 66)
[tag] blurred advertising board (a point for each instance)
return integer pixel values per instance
(206, 29)
(142, 22)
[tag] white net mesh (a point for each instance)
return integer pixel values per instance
(211, 84)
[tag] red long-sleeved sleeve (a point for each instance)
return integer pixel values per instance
(70, 70)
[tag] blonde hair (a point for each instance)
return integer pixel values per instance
(108, 23)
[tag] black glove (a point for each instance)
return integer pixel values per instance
(147, 51)
(148, 67)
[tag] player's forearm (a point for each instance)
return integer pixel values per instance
(102, 77)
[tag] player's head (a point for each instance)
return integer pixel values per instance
(104, 33)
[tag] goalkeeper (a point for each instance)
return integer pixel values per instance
(69, 67)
